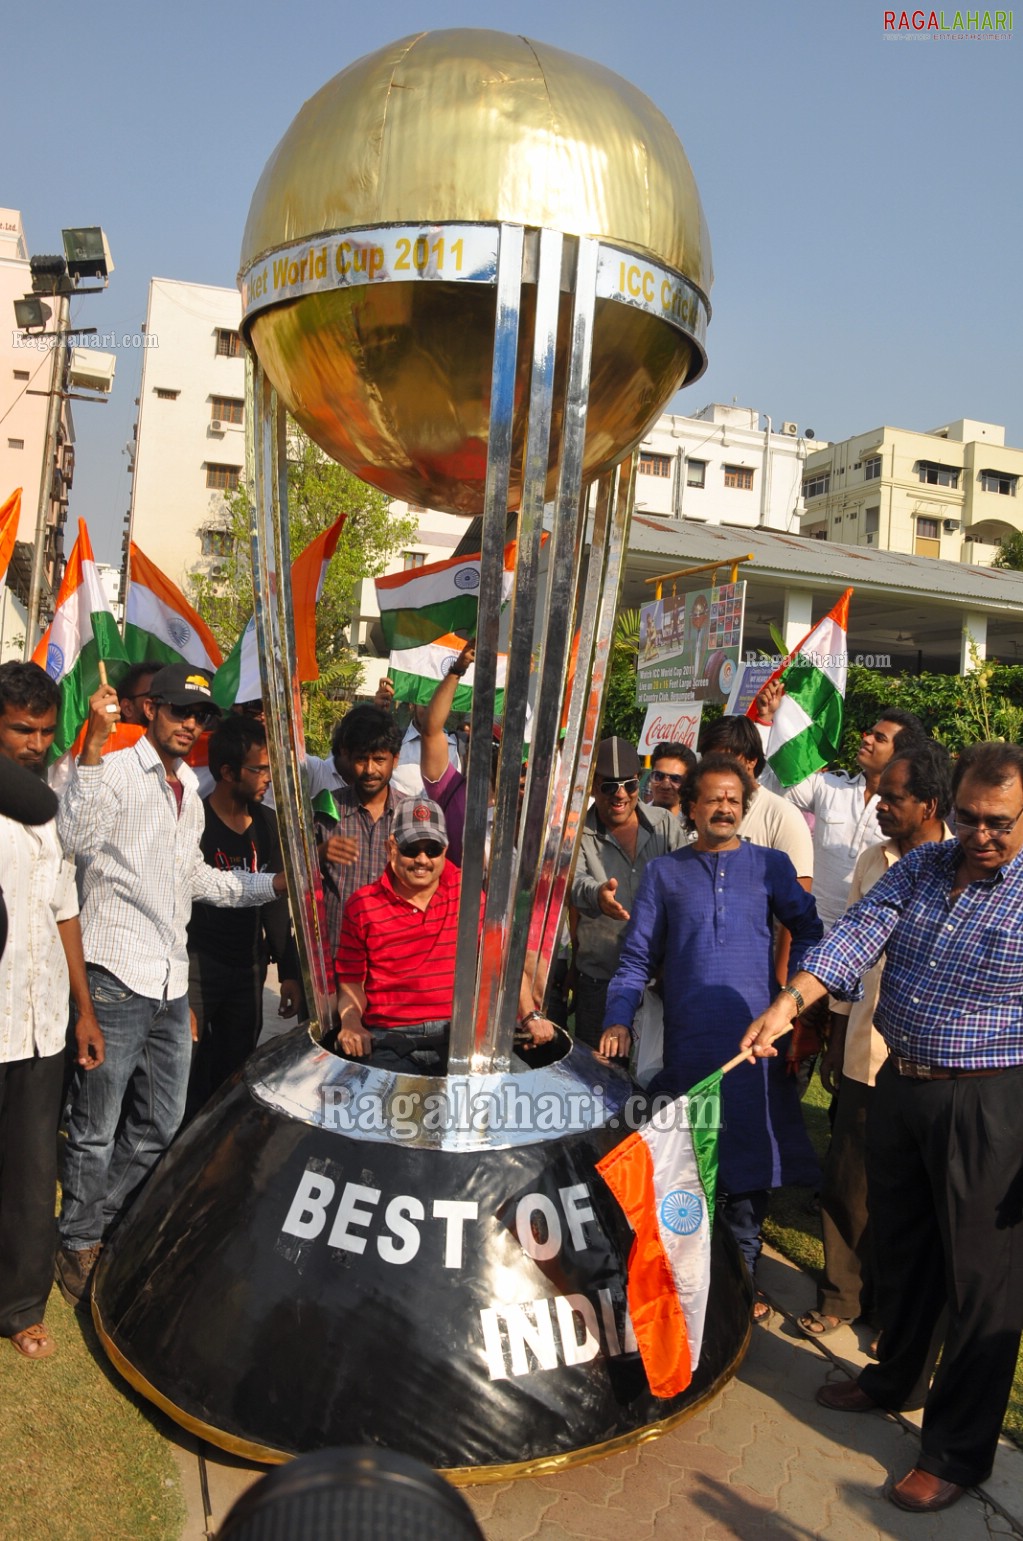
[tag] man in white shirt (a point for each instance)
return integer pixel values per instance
(41, 962)
(133, 821)
(844, 807)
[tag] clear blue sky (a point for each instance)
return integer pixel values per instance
(862, 190)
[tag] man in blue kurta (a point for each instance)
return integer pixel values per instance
(703, 919)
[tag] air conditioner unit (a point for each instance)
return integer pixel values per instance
(216, 426)
(950, 526)
(792, 429)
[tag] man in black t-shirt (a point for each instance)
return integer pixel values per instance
(228, 949)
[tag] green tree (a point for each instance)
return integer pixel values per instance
(623, 716)
(1010, 552)
(319, 490)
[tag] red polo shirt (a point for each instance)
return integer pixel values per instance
(402, 956)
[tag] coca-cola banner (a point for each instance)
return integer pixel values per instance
(689, 645)
(671, 722)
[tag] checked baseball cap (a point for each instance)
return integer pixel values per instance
(418, 818)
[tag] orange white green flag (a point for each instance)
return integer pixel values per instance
(82, 634)
(664, 1176)
(238, 678)
(159, 623)
(308, 574)
(806, 733)
(10, 513)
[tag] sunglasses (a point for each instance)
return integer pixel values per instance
(431, 848)
(629, 785)
(672, 776)
(251, 709)
(203, 715)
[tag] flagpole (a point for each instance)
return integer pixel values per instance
(744, 1059)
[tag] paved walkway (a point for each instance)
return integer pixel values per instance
(762, 1459)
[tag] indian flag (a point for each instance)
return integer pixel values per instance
(82, 634)
(308, 572)
(431, 602)
(417, 671)
(238, 677)
(665, 1179)
(806, 733)
(159, 623)
(10, 513)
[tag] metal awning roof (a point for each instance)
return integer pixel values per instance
(909, 606)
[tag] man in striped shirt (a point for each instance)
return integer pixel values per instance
(396, 956)
(133, 822)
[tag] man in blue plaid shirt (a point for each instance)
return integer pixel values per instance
(945, 1134)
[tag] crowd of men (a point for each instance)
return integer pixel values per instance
(709, 908)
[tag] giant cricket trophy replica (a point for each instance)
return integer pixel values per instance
(475, 270)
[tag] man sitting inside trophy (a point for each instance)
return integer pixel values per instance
(396, 955)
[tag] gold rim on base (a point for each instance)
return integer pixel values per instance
(459, 1476)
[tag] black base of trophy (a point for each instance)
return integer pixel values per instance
(334, 1255)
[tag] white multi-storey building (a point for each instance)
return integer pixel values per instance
(719, 466)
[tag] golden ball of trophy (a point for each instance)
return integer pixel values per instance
(369, 257)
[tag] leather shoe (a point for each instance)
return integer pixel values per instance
(922, 1493)
(845, 1396)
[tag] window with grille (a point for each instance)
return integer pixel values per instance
(1002, 482)
(229, 344)
(872, 469)
(228, 409)
(223, 478)
(816, 486)
(740, 477)
(654, 465)
(932, 474)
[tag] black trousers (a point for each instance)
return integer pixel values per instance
(590, 1003)
(847, 1288)
(945, 1189)
(228, 1006)
(29, 1109)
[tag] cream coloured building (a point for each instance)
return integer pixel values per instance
(950, 493)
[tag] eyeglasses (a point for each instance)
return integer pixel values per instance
(995, 827)
(262, 771)
(630, 785)
(672, 776)
(431, 848)
(203, 715)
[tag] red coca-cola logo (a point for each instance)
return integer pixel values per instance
(671, 730)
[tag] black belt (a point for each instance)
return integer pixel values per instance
(914, 1072)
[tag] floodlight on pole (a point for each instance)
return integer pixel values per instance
(86, 255)
(31, 314)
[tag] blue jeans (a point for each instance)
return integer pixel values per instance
(124, 1113)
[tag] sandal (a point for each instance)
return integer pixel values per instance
(762, 1311)
(818, 1325)
(33, 1342)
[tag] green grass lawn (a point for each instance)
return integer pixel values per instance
(80, 1455)
(794, 1229)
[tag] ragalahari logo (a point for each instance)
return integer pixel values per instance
(950, 26)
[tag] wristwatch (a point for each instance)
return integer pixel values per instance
(531, 1016)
